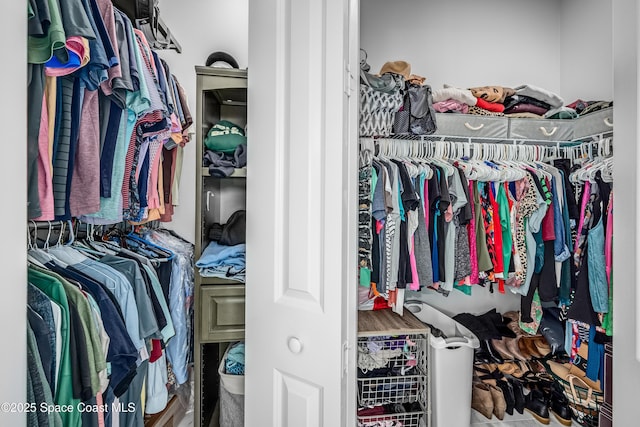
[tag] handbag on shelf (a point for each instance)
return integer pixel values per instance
(233, 232)
(417, 115)
(380, 99)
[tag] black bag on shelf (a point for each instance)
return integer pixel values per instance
(417, 116)
(233, 232)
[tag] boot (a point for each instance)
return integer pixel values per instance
(486, 353)
(500, 347)
(509, 397)
(482, 400)
(499, 401)
(512, 346)
(559, 405)
(535, 404)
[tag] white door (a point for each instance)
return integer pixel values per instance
(301, 215)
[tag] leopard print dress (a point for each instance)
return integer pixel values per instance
(526, 206)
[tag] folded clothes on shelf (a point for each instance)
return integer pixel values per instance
(227, 262)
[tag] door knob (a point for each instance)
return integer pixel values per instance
(295, 345)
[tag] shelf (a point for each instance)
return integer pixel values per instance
(218, 281)
(385, 322)
(237, 173)
(490, 140)
(221, 72)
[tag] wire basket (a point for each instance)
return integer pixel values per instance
(410, 388)
(403, 419)
(584, 401)
(392, 370)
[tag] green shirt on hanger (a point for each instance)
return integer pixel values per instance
(40, 48)
(505, 222)
(97, 358)
(54, 289)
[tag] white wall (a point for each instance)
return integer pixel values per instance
(626, 215)
(201, 27)
(586, 42)
(13, 192)
(564, 46)
(480, 301)
(466, 43)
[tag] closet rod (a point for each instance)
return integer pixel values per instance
(481, 139)
(47, 230)
(47, 224)
(485, 151)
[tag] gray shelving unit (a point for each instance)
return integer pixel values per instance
(219, 303)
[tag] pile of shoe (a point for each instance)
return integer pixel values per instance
(503, 388)
(508, 373)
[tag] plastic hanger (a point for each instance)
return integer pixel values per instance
(160, 252)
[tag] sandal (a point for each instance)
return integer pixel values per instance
(528, 348)
(542, 346)
(521, 369)
(508, 368)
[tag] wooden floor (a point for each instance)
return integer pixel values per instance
(172, 416)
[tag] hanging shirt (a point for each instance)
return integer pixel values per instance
(458, 199)
(526, 197)
(118, 284)
(84, 194)
(64, 394)
(422, 247)
(392, 228)
(40, 303)
(505, 223)
(499, 267)
(122, 353)
(434, 203)
(533, 225)
(95, 72)
(46, 34)
(45, 189)
(35, 93)
(147, 321)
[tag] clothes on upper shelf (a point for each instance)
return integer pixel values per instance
(222, 261)
(106, 118)
(524, 101)
(223, 164)
(540, 230)
(103, 320)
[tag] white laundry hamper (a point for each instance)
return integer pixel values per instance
(450, 367)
